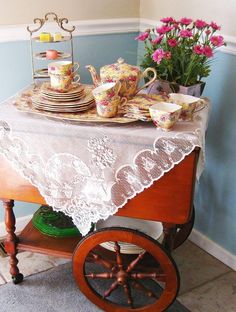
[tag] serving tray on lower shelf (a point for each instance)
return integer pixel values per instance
(24, 104)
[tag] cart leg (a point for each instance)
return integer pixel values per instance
(169, 230)
(11, 241)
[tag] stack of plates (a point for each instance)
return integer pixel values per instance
(138, 107)
(63, 104)
(41, 103)
(151, 228)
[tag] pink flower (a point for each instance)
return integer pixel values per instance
(167, 20)
(164, 29)
(186, 21)
(158, 55)
(185, 33)
(168, 55)
(200, 24)
(215, 26)
(208, 31)
(172, 42)
(157, 40)
(207, 50)
(198, 49)
(217, 41)
(143, 36)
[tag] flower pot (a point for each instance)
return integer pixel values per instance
(160, 86)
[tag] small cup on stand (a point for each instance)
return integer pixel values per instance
(107, 99)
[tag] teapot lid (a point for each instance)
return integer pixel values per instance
(121, 67)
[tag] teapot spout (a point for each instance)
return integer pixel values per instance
(95, 77)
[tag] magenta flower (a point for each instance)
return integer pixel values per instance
(168, 55)
(164, 29)
(198, 49)
(172, 42)
(217, 41)
(207, 50)
(185, 33)
(200, 24)
(157, 40)
(215, 26)
(158, 55)
(167, 20)
(186, 21)
(143, 36)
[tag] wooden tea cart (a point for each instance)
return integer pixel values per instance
(169, 200)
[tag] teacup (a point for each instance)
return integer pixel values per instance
(63, 83)
(106, 91)
(109, 108)
(62, 68)
(165, 115)
(188, 104)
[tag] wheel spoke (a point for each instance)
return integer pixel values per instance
(157, 276)
(105, 275)
(141, 287)
(118, 256)
(128, 294)
(135, 262)
(111, 289)
(105, 263)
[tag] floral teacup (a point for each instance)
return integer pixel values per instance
(188, 104)
(107, 99)
(165, 115)
(62, 68)
(62, 83)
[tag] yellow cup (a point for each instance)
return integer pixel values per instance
(62, 68)
(63, 83)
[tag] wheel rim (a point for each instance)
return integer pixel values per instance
(123, 274)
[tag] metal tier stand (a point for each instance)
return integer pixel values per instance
(40, 22)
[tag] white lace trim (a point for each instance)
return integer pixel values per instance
(81, 191)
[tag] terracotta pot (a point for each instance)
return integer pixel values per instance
(160, 86)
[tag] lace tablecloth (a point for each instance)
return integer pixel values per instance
(89, 171)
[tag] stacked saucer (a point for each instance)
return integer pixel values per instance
(64, 102)
(75, 92)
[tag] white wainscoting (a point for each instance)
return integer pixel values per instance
(213, 249)
(99, 27)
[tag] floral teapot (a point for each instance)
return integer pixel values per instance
(128, 75)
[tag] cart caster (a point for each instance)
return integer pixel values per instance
(183, 231)
(18, 278)
(115, 281)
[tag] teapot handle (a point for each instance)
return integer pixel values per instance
(149, 69)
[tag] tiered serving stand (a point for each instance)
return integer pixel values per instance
(42, 73)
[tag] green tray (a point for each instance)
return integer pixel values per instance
(54, 223)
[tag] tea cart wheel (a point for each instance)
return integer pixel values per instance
(184, 230)
(120, 282)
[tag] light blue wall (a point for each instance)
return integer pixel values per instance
(216, 193)
(98, 50)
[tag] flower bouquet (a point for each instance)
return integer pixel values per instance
(181, 51)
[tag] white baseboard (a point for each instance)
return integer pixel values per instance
(213, 249)
(20, 224)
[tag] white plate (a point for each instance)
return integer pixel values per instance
(151, 228)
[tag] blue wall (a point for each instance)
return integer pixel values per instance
(98, 50)
(216, 192)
